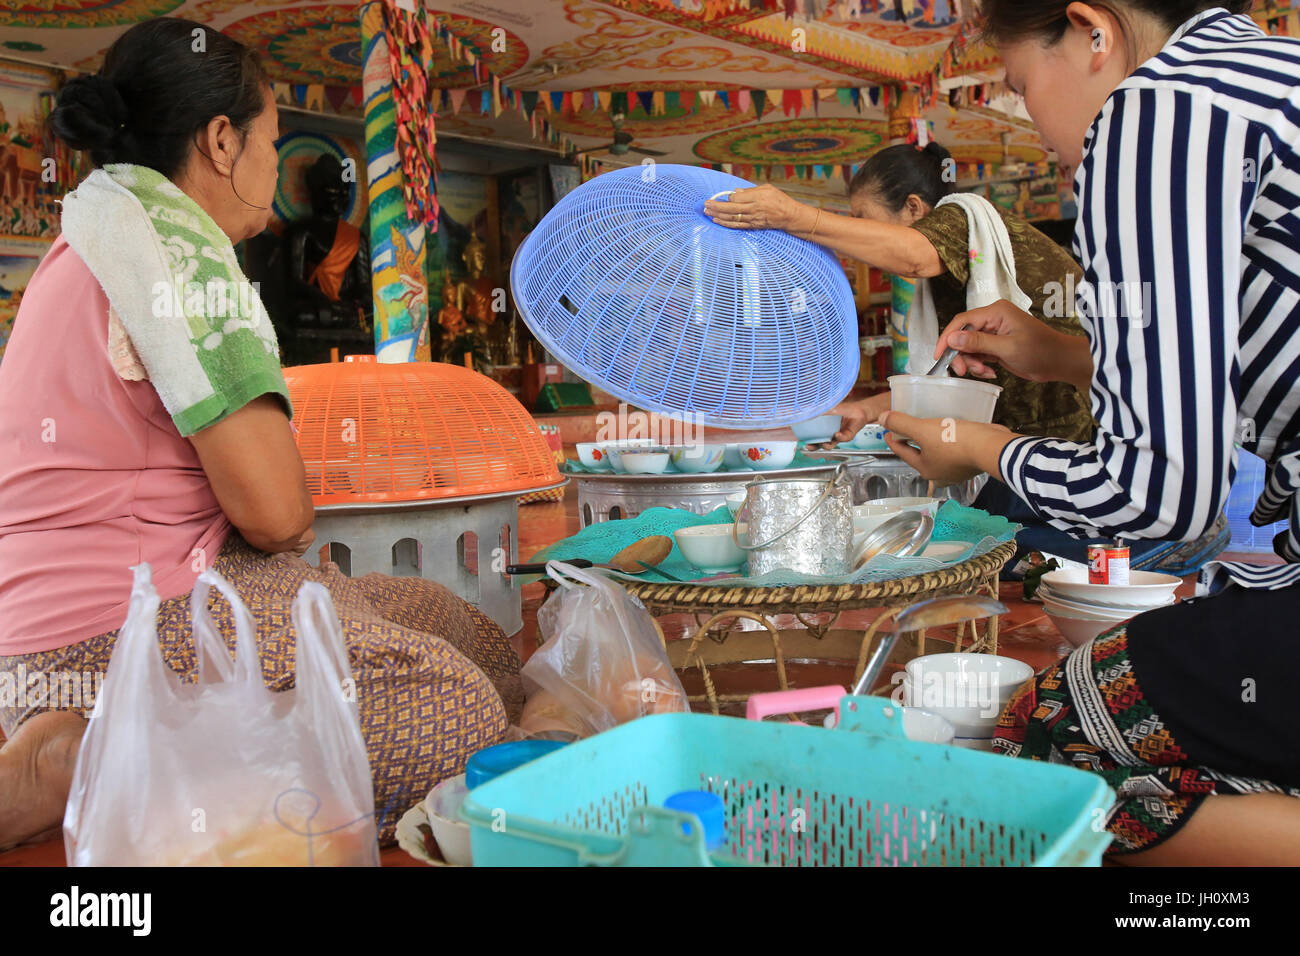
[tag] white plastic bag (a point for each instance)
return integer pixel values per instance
(602, 663)
(223, 771)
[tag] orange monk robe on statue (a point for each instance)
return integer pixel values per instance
(328, 276)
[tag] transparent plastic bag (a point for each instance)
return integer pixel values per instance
(602, 663)
(223, 771)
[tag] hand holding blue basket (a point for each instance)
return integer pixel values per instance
(628, 283)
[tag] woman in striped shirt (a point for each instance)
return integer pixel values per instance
(1183, 122)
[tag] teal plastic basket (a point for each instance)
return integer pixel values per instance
(859, 795)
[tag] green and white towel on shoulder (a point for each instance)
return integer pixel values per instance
(183, 314)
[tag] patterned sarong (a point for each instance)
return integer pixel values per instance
(1092, 710)
(436, 680)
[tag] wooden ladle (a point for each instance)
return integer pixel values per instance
(651, 550)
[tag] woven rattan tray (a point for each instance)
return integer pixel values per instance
(669, 598)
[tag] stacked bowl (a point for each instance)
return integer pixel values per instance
(1081, 610)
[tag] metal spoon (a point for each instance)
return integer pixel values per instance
(941, 367)
(631, 560)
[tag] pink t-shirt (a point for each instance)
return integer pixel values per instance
(94, 477)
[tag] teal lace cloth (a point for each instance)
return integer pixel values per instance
(600, 542)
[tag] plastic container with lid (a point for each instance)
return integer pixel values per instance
(492, 762)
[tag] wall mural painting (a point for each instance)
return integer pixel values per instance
(62, 14)
(320, 44)
(29, 216)
(297, 151)
(794, 142)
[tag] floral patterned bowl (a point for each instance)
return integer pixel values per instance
(593, 456)
(769, 455)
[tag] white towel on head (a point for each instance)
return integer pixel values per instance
(992, 277)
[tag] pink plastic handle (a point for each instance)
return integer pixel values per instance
(793, 701)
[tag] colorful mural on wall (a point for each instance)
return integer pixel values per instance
(29, 216)
(297, 151)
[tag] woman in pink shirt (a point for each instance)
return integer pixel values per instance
(97, 474)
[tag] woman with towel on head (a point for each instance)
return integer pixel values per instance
(965, 252)
(131, 433)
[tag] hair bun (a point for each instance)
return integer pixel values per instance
(90, 113)
(935, 148)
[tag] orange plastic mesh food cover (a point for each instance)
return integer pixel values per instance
(382, 432)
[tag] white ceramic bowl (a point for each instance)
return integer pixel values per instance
(1092, 612)
(769, 455)
(709, 547)
(1077, 631)
(867, 518)
(870, 438)
(442, 807)
(967, 690)
(645, 462)
(1145, 590)
(593, 457)
(819, 429)
(697, 459)
(929, 506)
(614, 451)
(938, 396)
(731, 459)
(735, 502)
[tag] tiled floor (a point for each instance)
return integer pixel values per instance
(1026, 634)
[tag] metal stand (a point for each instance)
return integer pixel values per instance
(463, 544)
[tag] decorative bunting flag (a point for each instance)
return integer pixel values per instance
(410, 50)
(646, 99)
(726, 99)
(759, 99)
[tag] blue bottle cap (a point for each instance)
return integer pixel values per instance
(492, 762)
(708, 807)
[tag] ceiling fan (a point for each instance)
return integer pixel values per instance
(622, 144)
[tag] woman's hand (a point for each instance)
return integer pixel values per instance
(761, 207)
(1001, 334)
(950, 450)
(858, 414)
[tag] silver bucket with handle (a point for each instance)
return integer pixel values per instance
(803, 525)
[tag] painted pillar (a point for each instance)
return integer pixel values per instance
(401, 295)
(902, 110)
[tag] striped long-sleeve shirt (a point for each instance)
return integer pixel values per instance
(1189, 235)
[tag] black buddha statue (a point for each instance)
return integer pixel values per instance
(327, 301)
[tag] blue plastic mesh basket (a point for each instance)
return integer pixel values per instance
(630, 285)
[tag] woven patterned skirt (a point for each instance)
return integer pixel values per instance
(436, 680)
(1175, 706)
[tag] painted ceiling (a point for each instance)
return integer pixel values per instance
(610, 45)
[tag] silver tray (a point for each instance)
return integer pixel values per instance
(702, 478)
